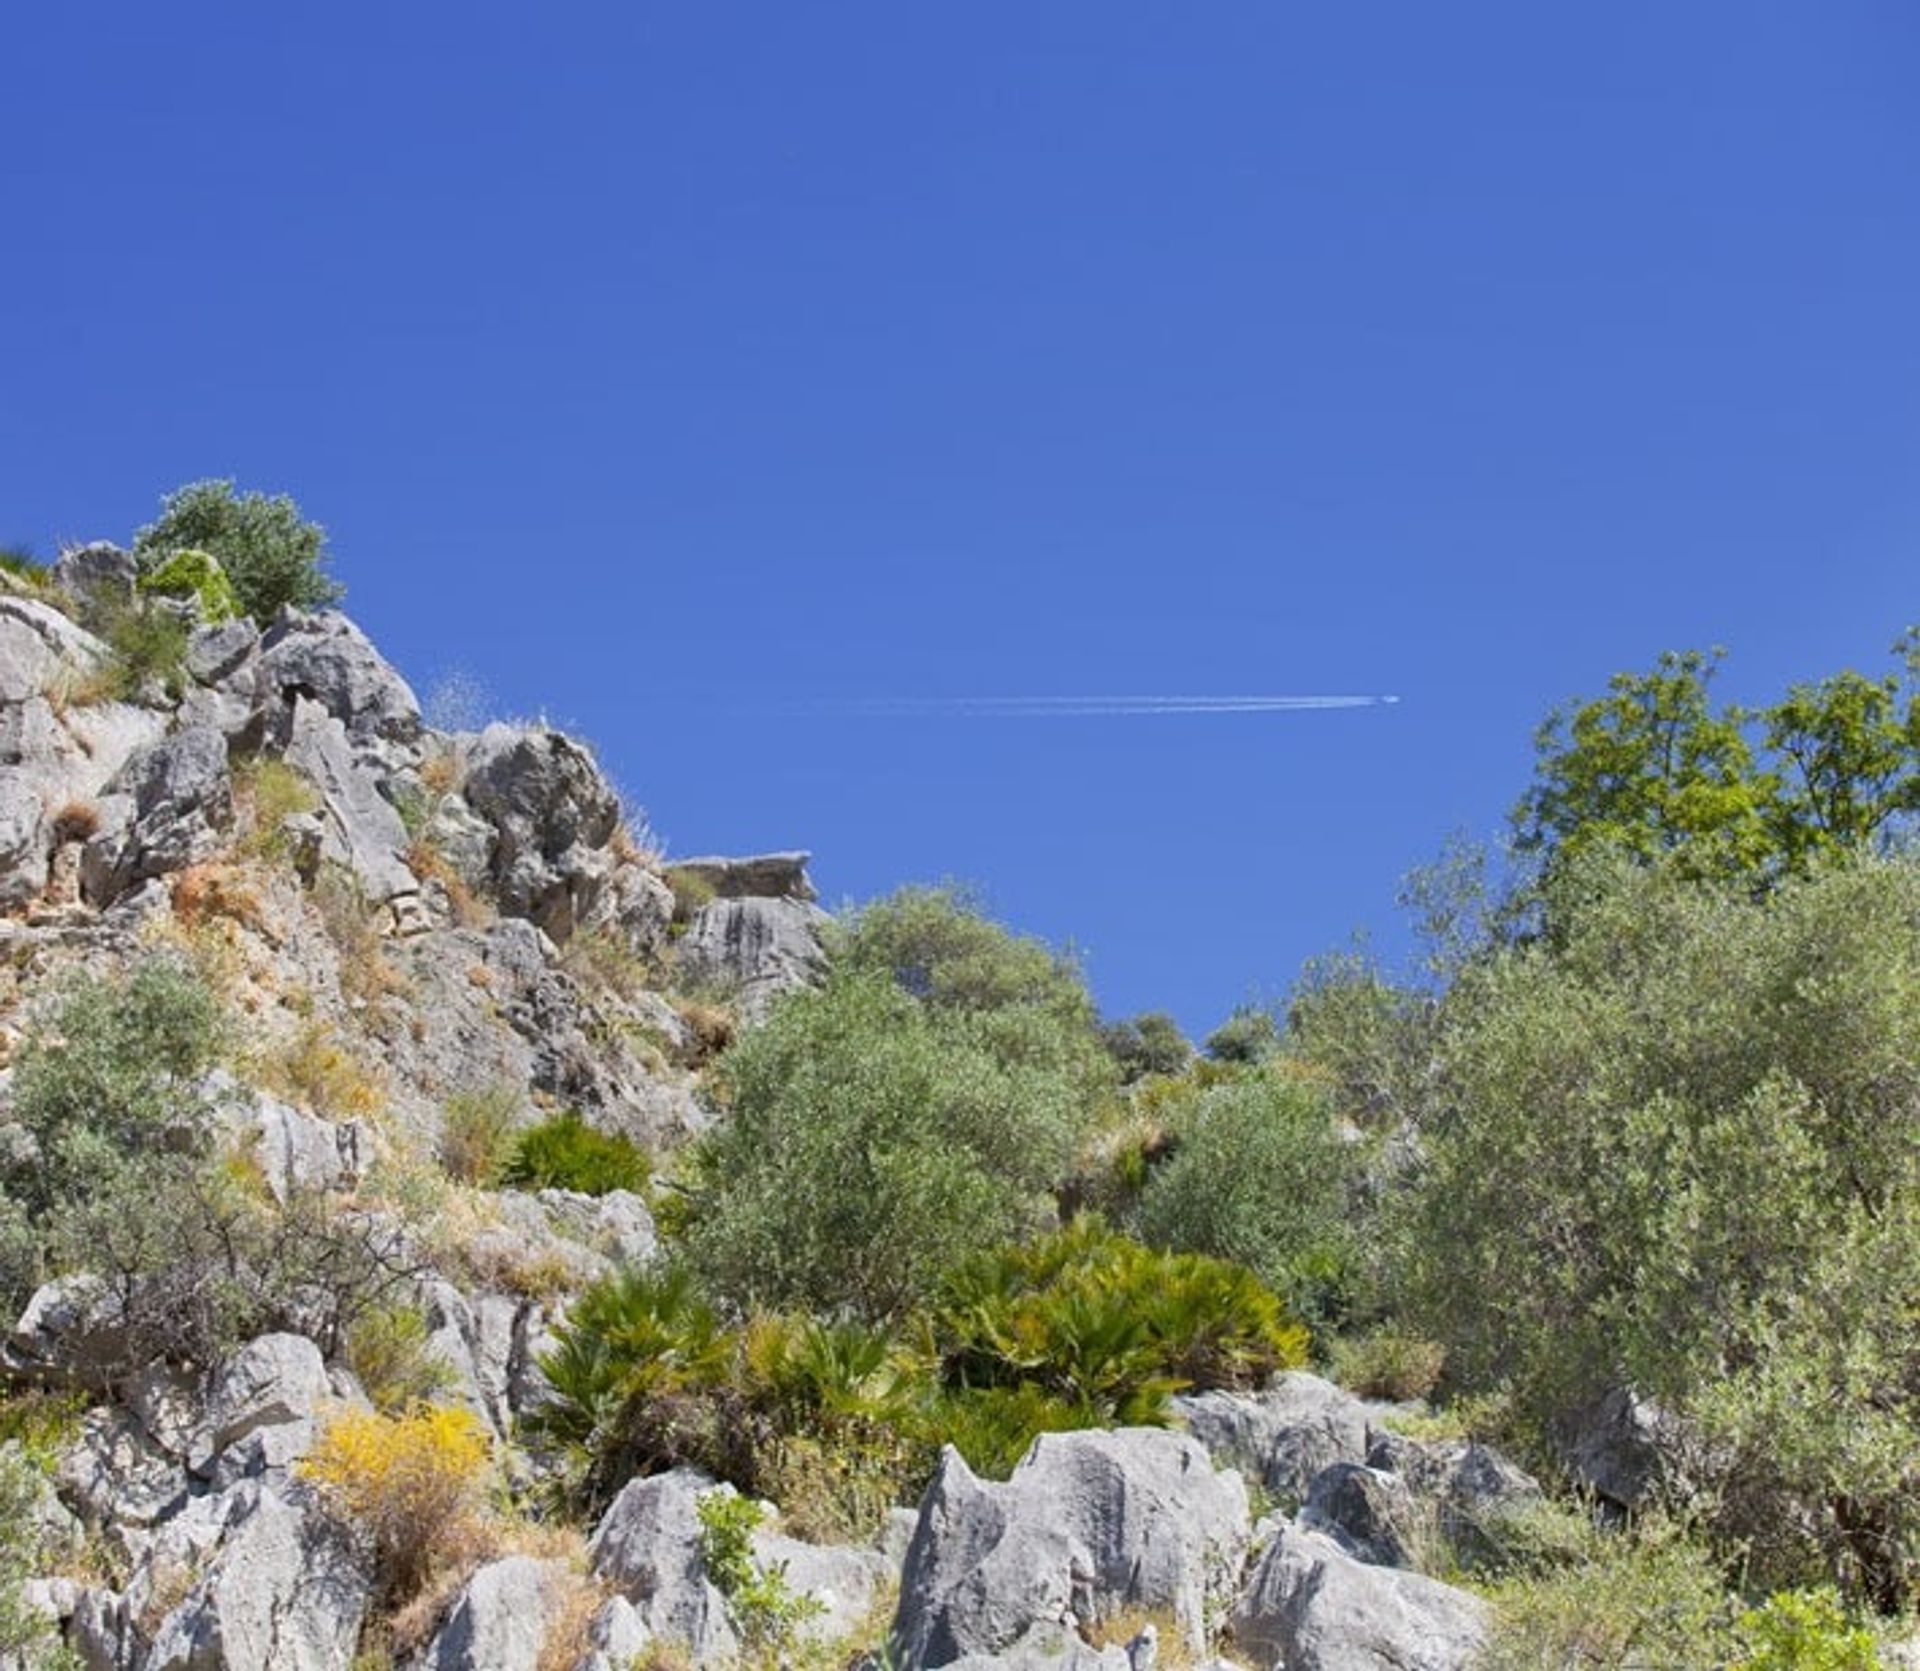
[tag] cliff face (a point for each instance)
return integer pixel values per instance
(427, 943)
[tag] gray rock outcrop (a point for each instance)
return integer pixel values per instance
(754, 948)
(501, 1618)
(1091, 1524)
(1309, 1606)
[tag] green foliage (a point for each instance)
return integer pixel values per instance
(146, 653)
(1247, 1036)
(876, 1137)
(121, 1178)
(271, 555)
(391, 1353)
(479, 1134)
(1146, 1044)
(1103, 1330)
(1654, 770)
(1803, 1630)
(766, 1613)
(27, 1636)
(196, 575)
(1258, 1175)
(567, 1153)
(1645, 1598)
(1674, 1149)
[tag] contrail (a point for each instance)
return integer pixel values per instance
(1095, 707)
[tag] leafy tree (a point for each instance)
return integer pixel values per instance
(1673, 1148)
(1147, 1044)
(1258, 1175)
(876, 1138)
(270, 554)
(1650, 769)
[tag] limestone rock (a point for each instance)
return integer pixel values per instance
(322, 657)
(757, 948)
(552, 813)
(98, 573)
(1284, 1436)
(40, 647)
(284, 1593)
(115, 1475)
(647, 1546)
(178, 802)
(71, 1334)
(277, 1382)
(500, 1621)
(1311, 1607)
(1090, 1524)
(760, 876)
(360, 827)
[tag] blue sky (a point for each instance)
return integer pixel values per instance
(685, 371)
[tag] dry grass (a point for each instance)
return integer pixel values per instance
(317, 1069)
(1117, 1630)
(429, 864)
(710, 1029)
(353, 926)
(204, 893)
(76, 820)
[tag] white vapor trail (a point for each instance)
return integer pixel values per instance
(1066, 707)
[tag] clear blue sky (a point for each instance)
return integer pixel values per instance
(673, 368)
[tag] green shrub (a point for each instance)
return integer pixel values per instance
(1260, 1176)
(1246, 1036)
(567, 1153)
(479, 1134)
(1674, 1149)
(1146, 1044)
(146, 655)
(1803, 1630)
(27, 1636)
(1386, 1363)
(1085, 1328)
(875, 1138)
(196, 575)
(766, 1613)
(271, 555)
(391, 1353)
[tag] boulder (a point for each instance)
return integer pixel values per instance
(26, 840)
(501, 1618)
(842, 1582)
(1469, 1492)
(273, 1387)
(100, 574)
(360, 828)
(285, 1592)
(1312, 1607)
(323, 658)
(553, 813)
(175, 804)
(114, 1475)
(647, 1546)
(1284, 1436)
(1623, 1447)
(72, 1334)
(754, 948)
(297, 1152)
(40, 648)
(760, 876)
(617, 1638)
(1090, 1525)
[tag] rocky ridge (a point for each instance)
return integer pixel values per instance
(406, 917)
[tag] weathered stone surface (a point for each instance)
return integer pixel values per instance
(500, 1621)
(1285, 1435)
(26, 839)
(757, 948)
(1311, 1607)
(360, 827)
(179, 803)
(215, 654)
(616, 1224)
(277, 1381)
(284, 1593)
(1469, 1492)
(618, 1637)
(647, 1546)
(115, 1475)
(296, 1152)
(758, 876)
(1089, 1525)
(40, 647)
(552, 813)
(322, 657)
(99, 573)
(1370, 1513)
(1623, 1447)
(70, 1334)
(842, 1582)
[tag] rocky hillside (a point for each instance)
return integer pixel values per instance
(444, 1234)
